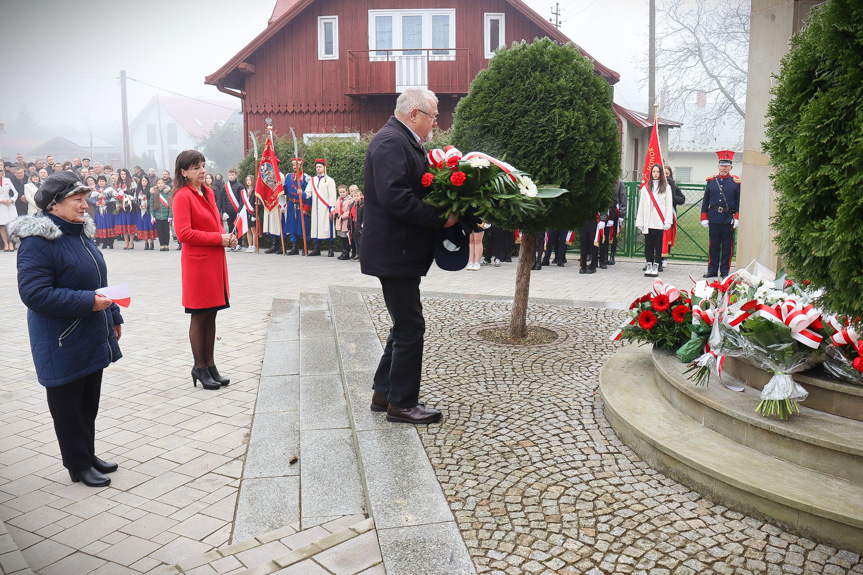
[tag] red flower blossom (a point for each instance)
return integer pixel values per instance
(858, 364)
(635, 303)
(428, 178)
(452, 162)
(660, 302)
(644, 299)
(647, 319)
(458, 178)
(787, 284)
(807, 282)
(687, 301)
(679, 313)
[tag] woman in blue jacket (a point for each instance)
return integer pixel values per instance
(73, 330)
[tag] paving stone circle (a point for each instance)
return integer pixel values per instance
(536, 478)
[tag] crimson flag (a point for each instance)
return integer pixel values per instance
(654, 155)
(269, 185)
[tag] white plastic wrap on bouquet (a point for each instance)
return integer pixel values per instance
(840, 367)
(782, 386)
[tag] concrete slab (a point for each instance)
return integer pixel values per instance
(330, 483)
(278, 393)
(434, 549)
(266, 505)
(322, 402)
(281, 358)
(318, 356)
(275, 440)
(401, 484)
(359, 350)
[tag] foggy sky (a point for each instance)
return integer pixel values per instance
(63, 58)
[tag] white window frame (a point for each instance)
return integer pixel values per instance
(322, 20)
(487, 18)
(426, 33)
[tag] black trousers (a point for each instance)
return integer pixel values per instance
(496, 244)
(653, 245)
(74, 407)
(721, 248)
(614, 241)
(400, 369)
(604, 243)
(163, 230)
(557, 245)
(538, 246)
(586, 235)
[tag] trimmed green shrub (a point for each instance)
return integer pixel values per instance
(345, 158)
(815, 143)
(541, 107)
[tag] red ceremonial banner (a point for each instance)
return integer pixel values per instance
(654, 155)
(269, 185)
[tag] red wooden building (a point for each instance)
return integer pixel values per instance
(337, 66)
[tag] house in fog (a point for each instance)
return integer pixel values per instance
(337, 66)
(168, 125)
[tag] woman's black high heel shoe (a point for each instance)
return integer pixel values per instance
(207, 381)
(104, 466)
(215, 373)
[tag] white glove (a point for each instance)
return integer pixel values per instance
(224, 216)
(644, 230)
(609, 224)
(666, 227)
(705, 224)
(736, 223)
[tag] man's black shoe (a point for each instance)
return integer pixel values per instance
(272, 249)
(709, 275)
(591, 270)
(603, 266)
(582, 271)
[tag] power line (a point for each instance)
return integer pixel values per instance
(178, 94)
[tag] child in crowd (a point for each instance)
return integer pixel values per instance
(356, 221)
(341, 220)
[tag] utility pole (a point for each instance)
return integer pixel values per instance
(556, 21)
(651, 82)
(127, 156)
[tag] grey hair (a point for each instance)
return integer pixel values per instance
(414, 98)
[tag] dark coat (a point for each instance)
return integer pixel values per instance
(677, 196)
(398, 227)
(59, 269)
(721, 201)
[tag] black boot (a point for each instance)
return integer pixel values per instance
(611, 260)
(207, 381)
(215, 373)
(295, 249)
(273, 248)
(346, 250)
(316, 251)
(330, 252)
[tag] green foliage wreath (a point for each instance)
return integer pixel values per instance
(815, 143)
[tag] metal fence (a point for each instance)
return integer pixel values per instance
(692, 239)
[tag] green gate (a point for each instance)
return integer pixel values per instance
(692, 238)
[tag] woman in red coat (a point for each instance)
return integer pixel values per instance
(205, 272)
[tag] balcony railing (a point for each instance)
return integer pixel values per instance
(373, 72)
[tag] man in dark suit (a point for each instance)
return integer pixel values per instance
(398, 248)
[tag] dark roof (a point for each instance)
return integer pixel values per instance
(641, 119)
(286, 10)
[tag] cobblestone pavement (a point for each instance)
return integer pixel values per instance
(538, 481)
(181, 449)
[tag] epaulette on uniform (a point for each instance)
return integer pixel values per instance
(708, 178)
(736, 179)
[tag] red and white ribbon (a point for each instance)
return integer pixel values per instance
(659, 287)
(844, 334)
(791, 313)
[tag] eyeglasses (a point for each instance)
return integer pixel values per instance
(434, 118)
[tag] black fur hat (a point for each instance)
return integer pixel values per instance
(57, 187)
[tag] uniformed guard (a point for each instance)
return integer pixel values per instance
(295, 213)
(720, 214)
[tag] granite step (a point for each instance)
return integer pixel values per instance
(415, 526)
(816, 505)
(12, 561)
(815, 439)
